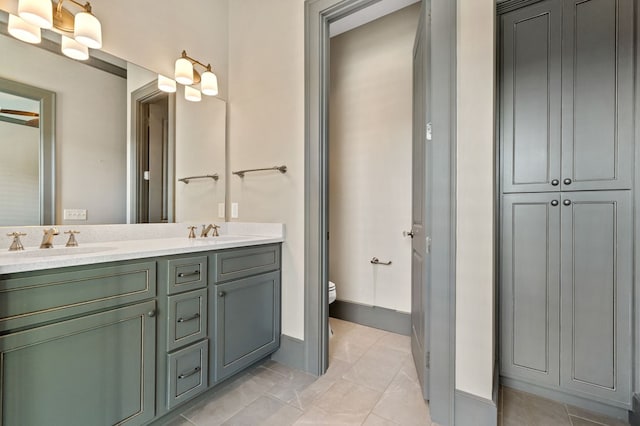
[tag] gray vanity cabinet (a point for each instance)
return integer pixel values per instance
(566, 292)
(566, 96)
(98, 369)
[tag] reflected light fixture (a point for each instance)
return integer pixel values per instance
(84, 27)
(22, 30)
(192, 94)
(186, 74)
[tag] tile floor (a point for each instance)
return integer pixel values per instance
(523, 409)
(371, 381)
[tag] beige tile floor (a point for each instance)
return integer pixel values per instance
(523, 409)
(371, 381)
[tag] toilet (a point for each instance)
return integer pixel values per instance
(332, 298)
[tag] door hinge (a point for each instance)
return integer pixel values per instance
(429, 132)
(428, 356)
(428, 245)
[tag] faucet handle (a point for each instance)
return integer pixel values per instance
(72, 242)
(16, 244)
(192, 233)
(215, 230)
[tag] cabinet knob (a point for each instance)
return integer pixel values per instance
(567, 202)
(554, 203)
(555, 182)
(567, 181)
(151, 313)
(221, 294)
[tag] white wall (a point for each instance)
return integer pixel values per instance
(266, 128)
(370, 150)
(90, 154)
(19, 174)
(475, 280)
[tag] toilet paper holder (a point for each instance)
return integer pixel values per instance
(376, 261)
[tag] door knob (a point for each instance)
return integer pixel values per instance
(555, 182)
(408, 234)
(567, 202)
(567, 181)
(554, 203)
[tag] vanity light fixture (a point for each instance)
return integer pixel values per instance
(186, 74)
(84, 27)
(22, 30)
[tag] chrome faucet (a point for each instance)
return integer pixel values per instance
(47, 239)
(207, 229)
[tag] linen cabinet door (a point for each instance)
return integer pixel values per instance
(597, 295)
(598, 87)
(529, 287)
(530, 88)
(94, 370)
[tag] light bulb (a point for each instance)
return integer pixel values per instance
(37, 12)
(184, 71)
(74, 50)
(166, 84)
(192, 94)
(23, 30)
(87, 30)
(209, 83)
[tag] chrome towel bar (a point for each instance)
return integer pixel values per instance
(281, 169)
(188, 178)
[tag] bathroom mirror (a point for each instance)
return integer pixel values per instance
(92, 161)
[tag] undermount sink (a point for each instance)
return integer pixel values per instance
(59, 251)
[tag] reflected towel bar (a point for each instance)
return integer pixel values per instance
(376, 261)
(188, 178)
(281, 169)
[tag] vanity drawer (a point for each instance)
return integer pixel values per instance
(187, 273)
(35, 297)
(187, 318)
(244, 262)
(188, 373)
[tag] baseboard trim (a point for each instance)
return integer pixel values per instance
(372, 316)
(634, 414)
(291, 352)
(587, 404)
(472, 410)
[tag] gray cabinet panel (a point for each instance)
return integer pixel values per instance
(530, 286)
(597, 294)
(598, 90)
(247, 322)
(188, 373)
(98, 369)
(239, 263)
(187, 318)
(531, 97)
(186, 274)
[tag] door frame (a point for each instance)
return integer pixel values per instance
(318, 15)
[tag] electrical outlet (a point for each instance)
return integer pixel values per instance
(75, 214)
(221, 210)
(234, 210)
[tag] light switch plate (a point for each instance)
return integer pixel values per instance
(221, 210)
(75, 214)
(234, 210)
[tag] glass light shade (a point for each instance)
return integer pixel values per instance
(209, 83)
(74, 50)
(23, 30)
(192, 94)
(36, 12)
(166, 84)
(87, 30)
(184, 71)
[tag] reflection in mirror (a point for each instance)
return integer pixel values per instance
(26, 154)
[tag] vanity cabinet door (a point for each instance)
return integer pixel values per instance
(94, 370)
(247, 322)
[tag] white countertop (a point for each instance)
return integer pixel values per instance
(109, 250)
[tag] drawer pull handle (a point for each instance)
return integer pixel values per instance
(189, 274)
(190, 373)
(191, 318)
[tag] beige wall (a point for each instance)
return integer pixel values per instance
(266, 128)
(370, 148)
(90, 153)
(19, 174)
(475, 280)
